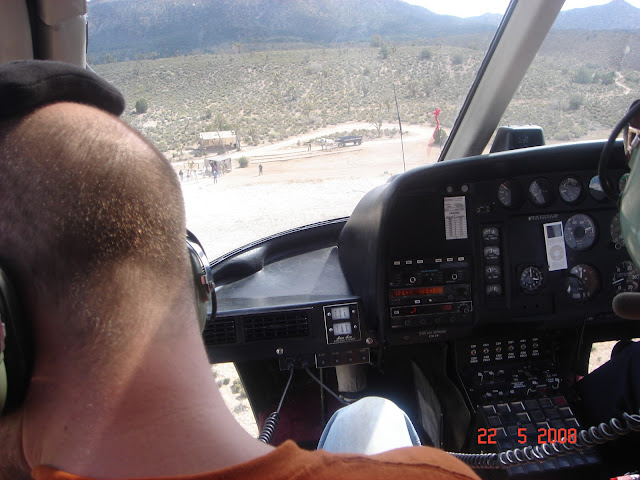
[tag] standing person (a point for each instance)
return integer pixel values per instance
(180, 174)
(259, 169)
(120, 385)
(215, 174)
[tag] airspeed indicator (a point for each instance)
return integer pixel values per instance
(580, 232)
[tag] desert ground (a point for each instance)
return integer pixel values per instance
(298, 187)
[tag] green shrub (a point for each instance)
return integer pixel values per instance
(575, 102)
(243, 162)
(583, 76)
(425, 54)
(142, 106)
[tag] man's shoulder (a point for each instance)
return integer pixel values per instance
(288, 461)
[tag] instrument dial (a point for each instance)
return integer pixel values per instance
(510, 194)
(531, 279)
(580, 232)
(626, 277)
(616, 231)
(570, 190)
(541, 192)
(583, 282)
(491, 253)
(595, 189)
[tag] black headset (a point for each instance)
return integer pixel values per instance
(25, 86)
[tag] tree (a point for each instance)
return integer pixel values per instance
(425, 54)
(583, 76)
(376, 41)
(375, 120)
(575, 102)
(385, 51)
(141, 106)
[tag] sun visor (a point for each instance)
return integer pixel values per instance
(55, 12)
(62, 31)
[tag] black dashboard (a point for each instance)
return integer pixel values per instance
(458, 249)
(487, 277)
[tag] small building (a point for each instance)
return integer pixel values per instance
(218, 141)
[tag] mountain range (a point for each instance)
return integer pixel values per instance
(128, 29)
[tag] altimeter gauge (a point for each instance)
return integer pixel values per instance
(626, 277)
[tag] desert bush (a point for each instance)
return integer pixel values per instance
(142, 106)
(243, 162)
(583, 76)
(575, 102)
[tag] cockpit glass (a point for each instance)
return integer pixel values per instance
(279, 115)
(585, 75)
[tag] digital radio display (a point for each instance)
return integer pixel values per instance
(417, 291)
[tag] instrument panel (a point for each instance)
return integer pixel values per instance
(524, 239)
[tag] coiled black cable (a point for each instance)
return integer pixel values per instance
(585, 439)
(270, 424)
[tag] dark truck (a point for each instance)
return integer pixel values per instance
(354, 139)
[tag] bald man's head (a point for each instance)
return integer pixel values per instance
(83, 197)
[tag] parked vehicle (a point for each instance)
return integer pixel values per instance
(349, 139)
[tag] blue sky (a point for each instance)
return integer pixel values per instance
(470, 8)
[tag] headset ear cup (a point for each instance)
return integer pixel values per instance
(3, 383)
(15, 373)
(203, 278)
(202, 296)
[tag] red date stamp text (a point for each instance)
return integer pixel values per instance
(488, 436)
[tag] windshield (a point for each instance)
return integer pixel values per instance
(278, 116)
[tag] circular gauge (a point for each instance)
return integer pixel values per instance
(623, 182)
(595, 189)
(626, 277)
(491, 253)
(541, 192)
(583, 282)
(510, 194)
(616, 231)
(570, 190)
(580, 232)
(531, 279)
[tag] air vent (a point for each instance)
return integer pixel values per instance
(276, 325)
(220, 331)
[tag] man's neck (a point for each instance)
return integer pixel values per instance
(161, 413)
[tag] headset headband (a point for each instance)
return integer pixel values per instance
(29, 84)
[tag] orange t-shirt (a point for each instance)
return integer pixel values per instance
(288, 461)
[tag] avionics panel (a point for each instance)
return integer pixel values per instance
(429, 297)
(531, 241)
